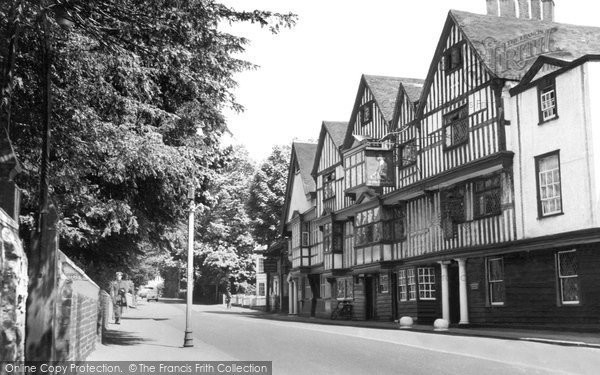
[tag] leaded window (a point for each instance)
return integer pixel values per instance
(426, 283)
(366, 113)
(549, 185)
(456, 127)
(393, 225)
(568, 276)
(488, 196)
(495, 276)
(407, 154)
(453, 58)
(368, 227)
(328, 185)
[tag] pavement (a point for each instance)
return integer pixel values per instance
(136, 339)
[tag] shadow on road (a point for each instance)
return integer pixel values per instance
(121, 338)
(143, 318)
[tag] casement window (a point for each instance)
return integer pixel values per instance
(487, 197)
(366, 113)
(547, 100)
(305, 241)
(328, 185)
(402, 286)
(393, 223)
(568, 283)
(407, 154)
(495, 281)
(384, 284)
(261, 289)
(456, 127)
(453, 210)
(549, 184)
(327, 237)
(426, 283)
(345, 288)
(453, 59)
(411, 284)
(367, 227)
(355, 170)
(260, 265)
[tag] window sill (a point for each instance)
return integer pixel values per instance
(550, 215)
(542, 122)
(569, 304)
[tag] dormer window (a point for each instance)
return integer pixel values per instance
(453, 58)
(366, 113)
(547, 100)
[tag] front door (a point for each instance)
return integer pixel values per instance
(453, 293)
(370, 296)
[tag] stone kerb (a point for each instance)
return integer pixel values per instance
(13, 295)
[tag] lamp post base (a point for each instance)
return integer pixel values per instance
(188, 340)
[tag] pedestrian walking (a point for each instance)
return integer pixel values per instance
(118, 293)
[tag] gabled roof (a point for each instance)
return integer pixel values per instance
(337, 130)
(412, 88)
(385, 91)
(303, 154)
(567, 42)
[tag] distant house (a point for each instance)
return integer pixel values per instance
(472, 195)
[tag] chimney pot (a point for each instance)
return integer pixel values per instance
(492, 7)
(508, 9)
(548, 7)
(524, 9)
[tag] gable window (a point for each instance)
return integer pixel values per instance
(566, 265)
(547, 100)
(328, 188)
(456, 127)
(548, 181)
(366, 113)
(487, 196)
(407, 154)
(495, 278)
(453, 58)
(426, 283)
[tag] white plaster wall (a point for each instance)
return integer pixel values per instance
(570, 134)
(592, 81)
(298, 201)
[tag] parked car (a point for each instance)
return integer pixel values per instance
(149, 292)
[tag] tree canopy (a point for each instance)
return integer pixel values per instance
(138, 91)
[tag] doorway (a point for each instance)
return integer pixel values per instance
(370, 296)
(453, 293)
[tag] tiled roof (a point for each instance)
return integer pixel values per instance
(305, 154)
(413, 88)
(337, 130)
(385, 91)
(566, 42)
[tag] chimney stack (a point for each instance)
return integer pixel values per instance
(524, 9)
(528, 9)
(508, 9)
(548, 6)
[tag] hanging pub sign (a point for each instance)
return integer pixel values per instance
(270, 265)
(380, 168)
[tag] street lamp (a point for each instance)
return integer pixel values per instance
(188, 340)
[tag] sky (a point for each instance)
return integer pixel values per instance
(310, 73)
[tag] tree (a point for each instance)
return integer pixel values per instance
(223, 230)
(267, 195)
(139, 87)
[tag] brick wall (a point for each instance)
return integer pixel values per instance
(13, 294)
(78, 318)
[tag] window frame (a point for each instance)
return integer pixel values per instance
(427, 288)
(560, 288)
(477, 193)
(329, 185)
(460, 111)
(448, 68)
(537, 159)
(545, 84)
(490, 282)
(411, 283)
(363, 120)
(402, 285)
(375, 226)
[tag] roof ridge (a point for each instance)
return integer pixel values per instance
(524, 19)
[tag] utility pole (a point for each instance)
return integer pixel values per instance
(188, 340)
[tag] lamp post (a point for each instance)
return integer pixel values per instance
(188, 340)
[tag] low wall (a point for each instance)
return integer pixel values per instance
(13, 291)
(78, 318)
